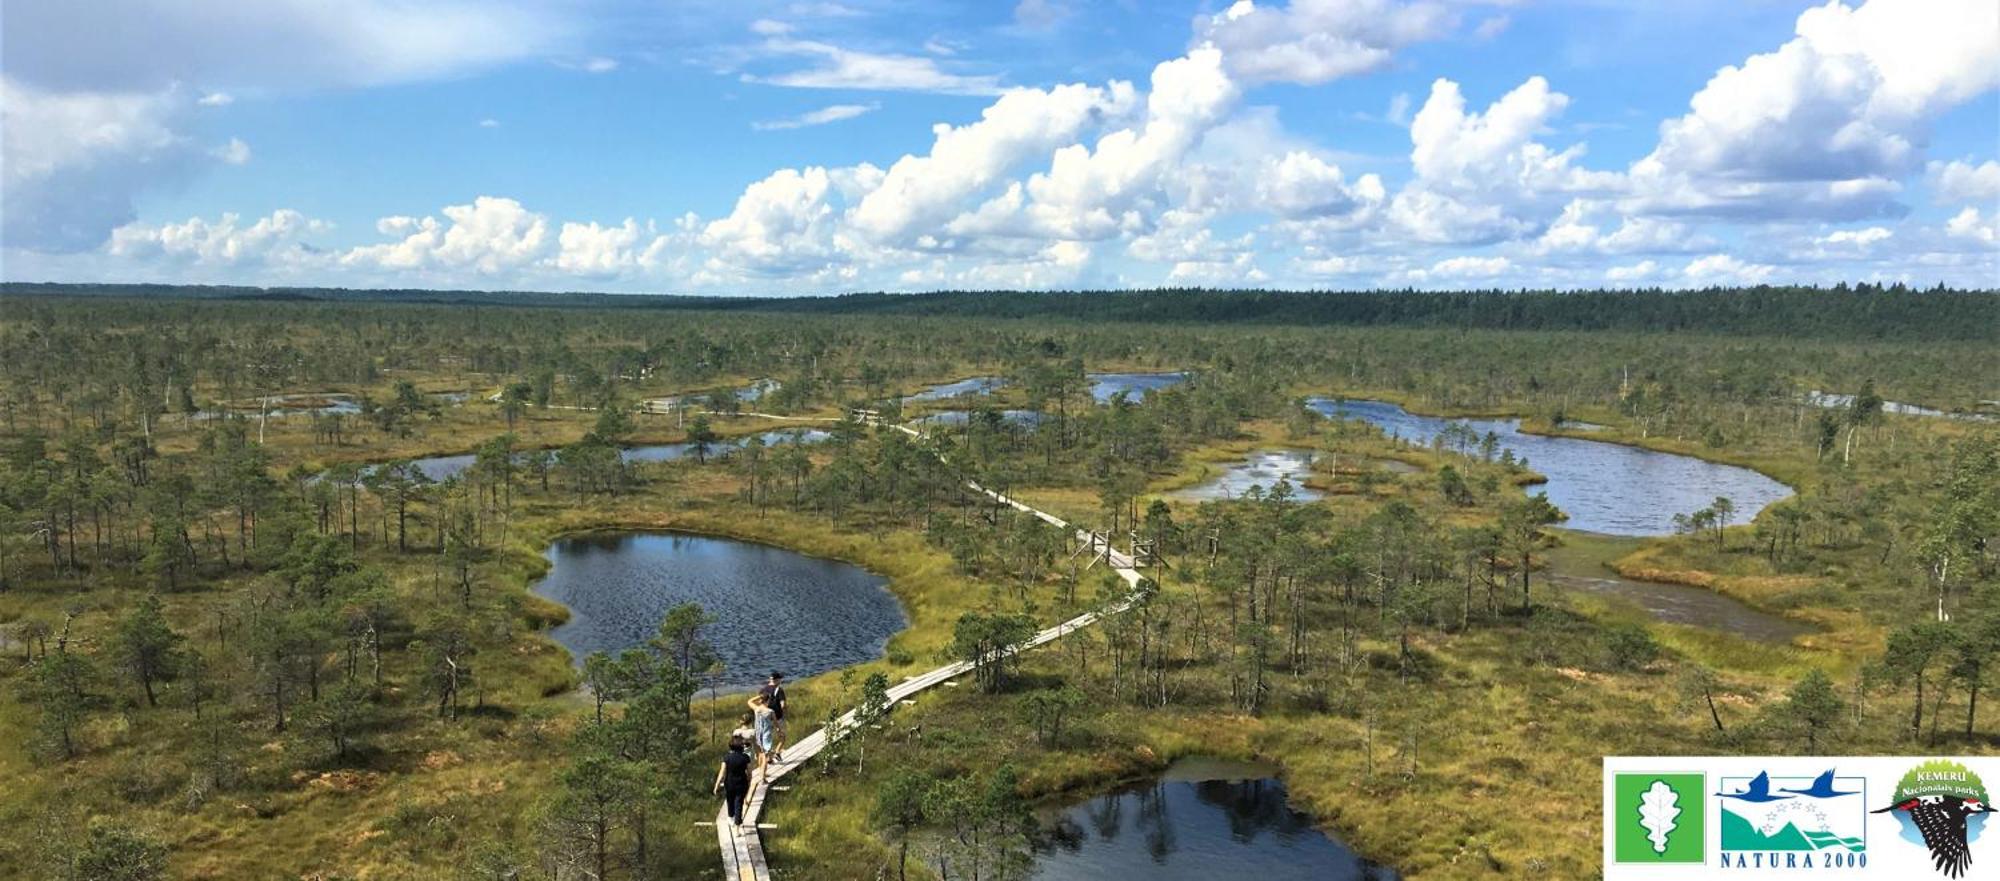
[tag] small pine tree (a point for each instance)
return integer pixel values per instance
(1813, 706)
(147, 647)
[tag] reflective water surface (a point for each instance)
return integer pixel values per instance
(961, 417)
(775, 609)
(1260, 468)
(1604, 487)
(977, 385)
(1836, 401)
(1105, 386)
(1202, 819)
(439, 468)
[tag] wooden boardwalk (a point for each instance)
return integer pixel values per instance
(743, 846)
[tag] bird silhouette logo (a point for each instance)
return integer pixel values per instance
(1945, 803)
(1758, 790)
(1822, 787)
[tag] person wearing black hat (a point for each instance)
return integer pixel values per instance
(774, 697)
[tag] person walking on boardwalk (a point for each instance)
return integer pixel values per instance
(746, 728)
(767, 736)
(732, 780)
(774, 695)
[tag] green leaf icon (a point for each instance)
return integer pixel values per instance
(1659, 807)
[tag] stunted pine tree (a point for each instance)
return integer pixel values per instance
(58, 688)
(1813, 706)
(147, 647)
(1521, 525)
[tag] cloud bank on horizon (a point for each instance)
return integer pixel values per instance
(821, 147)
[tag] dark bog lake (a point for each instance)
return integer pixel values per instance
(978, 385)
(1028, 418)
(439, 468)
(1105, 386)
(1203, 819)
(775, 609)
(1608, 488)
(286, 406)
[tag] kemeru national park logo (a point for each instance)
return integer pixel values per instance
(1657, 818)
(1815, 822)
(1942, 806)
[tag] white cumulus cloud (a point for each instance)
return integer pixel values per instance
(920, 193)
(1313, 41)
(1958, 181)
(1824, 125)
(491, 235)
(279, 237)
(1972, 224)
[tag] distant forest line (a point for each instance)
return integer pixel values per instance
(1865, 311)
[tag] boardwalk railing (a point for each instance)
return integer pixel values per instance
(743, 848)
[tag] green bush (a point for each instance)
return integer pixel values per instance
(1630, 647)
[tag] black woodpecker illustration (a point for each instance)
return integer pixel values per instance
(1941, 820)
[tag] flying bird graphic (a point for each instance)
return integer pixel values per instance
(1941, 819)
(1822, 787)
(1758, 791)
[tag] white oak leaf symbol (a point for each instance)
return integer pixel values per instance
(1659, 806)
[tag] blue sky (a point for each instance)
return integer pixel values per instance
(820, 147)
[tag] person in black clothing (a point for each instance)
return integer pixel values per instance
(774, 697)
(732, 780)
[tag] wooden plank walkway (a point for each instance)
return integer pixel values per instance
(743, 846)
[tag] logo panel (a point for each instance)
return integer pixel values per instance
(1807, 821)
(1658, 818)
(1941, 806)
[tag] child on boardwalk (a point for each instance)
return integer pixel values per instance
(746, 728)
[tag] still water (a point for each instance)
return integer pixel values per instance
(284, 406)
(1836, 401)
(440, 468)
(1202, 819)
(1260, 468)
(775, 609)
(962, 417)
(1105, 386)
(977, 385)
(1604, 487)
(1263, 468)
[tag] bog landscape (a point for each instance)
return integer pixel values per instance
(303, 585)
(1049, 440)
